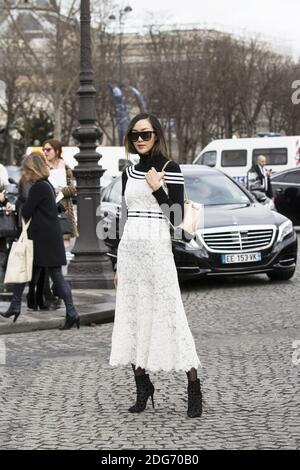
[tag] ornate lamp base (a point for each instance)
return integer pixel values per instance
(86, 272)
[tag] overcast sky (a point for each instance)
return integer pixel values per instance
(278, 20)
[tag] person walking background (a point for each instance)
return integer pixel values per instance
(52, 149)
(263, 176)
(150, 328)
(45, 231)
(39, 296)
(5, 208)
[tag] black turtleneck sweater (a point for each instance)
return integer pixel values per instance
(174, 181)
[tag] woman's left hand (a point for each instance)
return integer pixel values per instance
(153, 178)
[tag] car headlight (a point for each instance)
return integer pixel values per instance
(285, 229)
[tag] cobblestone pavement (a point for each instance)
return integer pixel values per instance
(58, 391)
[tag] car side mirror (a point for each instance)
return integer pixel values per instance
(279, 191)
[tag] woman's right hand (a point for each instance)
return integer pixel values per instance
(116, 280)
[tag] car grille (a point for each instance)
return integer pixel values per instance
(238, 239)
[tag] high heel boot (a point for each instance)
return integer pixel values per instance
(144, 390)
(13, 311)
(194, 399)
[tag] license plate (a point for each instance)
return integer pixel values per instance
(241, 258)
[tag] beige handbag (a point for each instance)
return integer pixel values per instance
(20, 260)
(193, 212)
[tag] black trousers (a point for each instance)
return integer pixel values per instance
(61, 285)
(40, 289)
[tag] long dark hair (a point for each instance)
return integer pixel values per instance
(56, 145)
(159, 147)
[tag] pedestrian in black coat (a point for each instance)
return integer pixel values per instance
(263, 176)
(39, 295)
(45, 231)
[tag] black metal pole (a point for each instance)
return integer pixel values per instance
(91, 267)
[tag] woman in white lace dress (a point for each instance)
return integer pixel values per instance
(150, 328)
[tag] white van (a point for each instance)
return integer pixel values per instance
(113, 160)
(236, 156)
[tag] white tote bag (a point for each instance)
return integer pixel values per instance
(20, 260)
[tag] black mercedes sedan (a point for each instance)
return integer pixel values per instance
(236, 236)
(286, 189)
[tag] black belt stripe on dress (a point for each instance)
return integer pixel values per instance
(146, 214)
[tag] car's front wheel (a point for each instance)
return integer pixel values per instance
(281, 275)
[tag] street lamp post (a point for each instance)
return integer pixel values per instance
(91, 267)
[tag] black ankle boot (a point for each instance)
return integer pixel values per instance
(194, 399)
(13, 311)
(144, 390)
(41, 304)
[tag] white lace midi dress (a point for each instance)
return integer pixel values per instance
(150, 327)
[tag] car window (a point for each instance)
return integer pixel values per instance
(276, 156)
(208, 158)
(115, 194)
(280, 178)
(234, 158)
(214, 189)
(292, 177)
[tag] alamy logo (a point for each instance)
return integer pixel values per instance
(296, 95)
(2, 352)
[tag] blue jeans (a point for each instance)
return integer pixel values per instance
(61, 286)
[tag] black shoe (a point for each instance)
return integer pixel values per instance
(70, 322)
(194, 399)
(41, 304)
(11, 313)
(36, 304)
(144, 390)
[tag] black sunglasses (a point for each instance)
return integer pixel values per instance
(145, 135)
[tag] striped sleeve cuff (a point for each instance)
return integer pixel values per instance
(173, 178)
